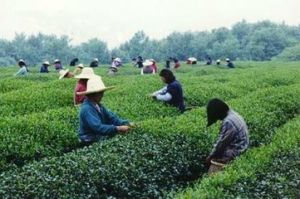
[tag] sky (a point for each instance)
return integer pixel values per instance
(116, 21)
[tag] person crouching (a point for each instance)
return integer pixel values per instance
(96, 121)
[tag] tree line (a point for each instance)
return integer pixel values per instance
(259, 41)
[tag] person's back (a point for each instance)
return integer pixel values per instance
(177, 64)
(240, 140)
(44, 69)
(154, 67)
(167, 63)
(116, 63)
(230, 64)
(140, 62)
(175, 89)
(23, 68)
(94, 64)
(209, 61)
(74, 61)
(22, 71)
(148, 70)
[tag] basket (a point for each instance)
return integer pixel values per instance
(215, 167)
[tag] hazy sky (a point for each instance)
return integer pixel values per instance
(115, 21)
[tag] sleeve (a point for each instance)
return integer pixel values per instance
(172, 91)
(164, 97)
(95, 124)
(225, 138)
(113, 118)
(19, 72)
(161, 91)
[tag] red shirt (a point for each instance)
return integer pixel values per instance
(81, 86)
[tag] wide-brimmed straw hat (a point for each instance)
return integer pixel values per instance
(21, 61)
(63, 73)
(46, 63)
(118, 59)
(147, 63)
(80, 66)
(95, 85)
(227, 59)
(86, 73)
(192, 59)
(56, 61)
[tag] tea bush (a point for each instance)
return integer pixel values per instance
(178, 159)
(166, 150)
(241, 179)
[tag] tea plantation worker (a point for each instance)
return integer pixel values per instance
(147, 69)
(112, 70)
(208, 61)
(23, 69)
(133, 61)
(139, 61)
(191, 60)
(65, 74)
(229, 63)
(94, 63)
(154, 66)
(168, 62)
(176, 62)
(44, 67)
(74, 61)
(116, 62)
(78, 69)
(96, 121)
(172, 93)
(85, 75)
(218, 62)
(57, 65)
(233, 138)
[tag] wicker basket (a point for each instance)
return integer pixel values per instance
(215, 167)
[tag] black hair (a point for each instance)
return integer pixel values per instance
(216, 110)
(21, 63)
(168, 75)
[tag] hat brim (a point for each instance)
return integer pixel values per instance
(83, 76)
(95, 91)
(147, 63)
(64, 74)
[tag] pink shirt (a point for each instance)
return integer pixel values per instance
(154, 67)
(80, 87)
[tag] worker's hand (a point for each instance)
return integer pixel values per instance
(123, 129)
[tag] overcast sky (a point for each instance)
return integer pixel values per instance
(115, 21)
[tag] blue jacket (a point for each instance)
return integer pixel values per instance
(44, 69)
(175, 90)
(230, 65)
(95, 125)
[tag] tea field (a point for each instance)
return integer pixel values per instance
(164, 155)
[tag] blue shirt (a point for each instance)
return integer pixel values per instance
(95, 125)
(44, 69)
(230, 65)
(176, 92)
